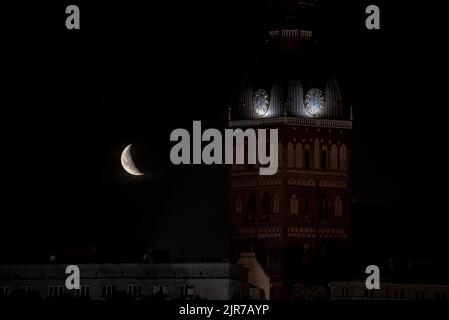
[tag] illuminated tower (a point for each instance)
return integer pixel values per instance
(296, 221)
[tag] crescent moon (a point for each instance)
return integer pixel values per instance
(128, 163)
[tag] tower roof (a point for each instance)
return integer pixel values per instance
(292, 78)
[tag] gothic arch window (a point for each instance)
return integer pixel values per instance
(238, 206)
(299, 156)
(294, 204)
(338, 207)
(265, 206)
(307, 161)
(323, 158)
(306, 208)
(251, 207)
(276, 204)
(323, 209)
(334, 157)
(316, 154)
(280, 150)
(290, 155)
(343, 158)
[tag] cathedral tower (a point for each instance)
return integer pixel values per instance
(296, 221)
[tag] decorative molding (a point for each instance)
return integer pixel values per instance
(318, 172)
(332, 233)
(292, 232)
(300, 232)
(309, 232)
(269, 232)
(301, 182)
(263, 181)
(244, 233)
(310, 122)
(243, 183)
(332, 183)
(246, 183)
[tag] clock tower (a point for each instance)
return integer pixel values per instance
(296, 221)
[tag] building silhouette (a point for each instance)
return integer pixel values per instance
(244, 280)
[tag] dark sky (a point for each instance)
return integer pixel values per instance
(133, 73)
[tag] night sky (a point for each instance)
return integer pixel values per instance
(134, 73)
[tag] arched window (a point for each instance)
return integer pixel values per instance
(238, 206)
(334, 157)
(251, 207)
(307, 158)
(324, 158)
(338, 207)
(290, 155)
(323, 209)
(299, 156)
(316, 154)
(276, 204)
(265, 206)
(293, 204)
(343, 158)
(306, 208)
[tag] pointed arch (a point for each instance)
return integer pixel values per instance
(343, 158)
(334, 157)
(276, 204)
(290, 155)
(251, 207)
(323, 209)
(299, 155)
(338, 207)
(306, 211)
(238, 205)
(323, 158)
(307, 157)
(280, 151)
(316, 154)
(265, 206)
(294, 204)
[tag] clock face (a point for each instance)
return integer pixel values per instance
(261, 102)
(314, 102)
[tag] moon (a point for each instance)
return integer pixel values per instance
(128, 163)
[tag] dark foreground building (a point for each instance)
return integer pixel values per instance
(141, 281)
